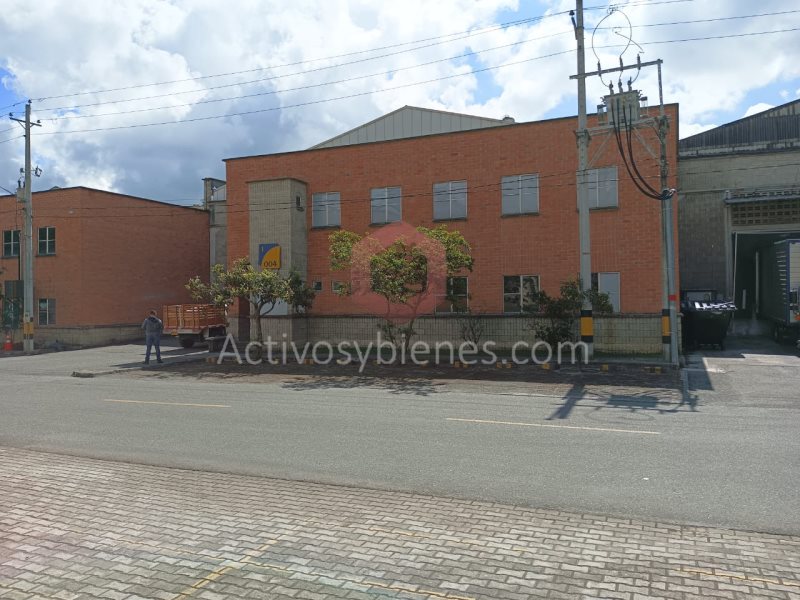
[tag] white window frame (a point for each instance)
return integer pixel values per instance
(609, 282)
(49, 241)
(326, 200)
(49, 311)
(12, 243)
(381, 199)
(602, 187)
(520, 299)
(444, 190)
(512, 190)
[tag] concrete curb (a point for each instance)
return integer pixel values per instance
(155, 367)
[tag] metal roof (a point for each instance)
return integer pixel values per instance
(772, 130)
(408, 122)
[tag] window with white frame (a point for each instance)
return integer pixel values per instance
(11, 243)
(450, 200)
(608, 283)
(47, 241)
(601, 187)
(456, 300)
(520, 194)
(518, 292)
(386, 205)
(326, 209)
(47, 311)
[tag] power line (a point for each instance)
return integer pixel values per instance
(463, 34)
(486, 187)
(359, 77)
(304, 87)
(19, 137)
(403, 86)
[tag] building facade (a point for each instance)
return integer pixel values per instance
(740, 192)
(509, 188)
(101, 261)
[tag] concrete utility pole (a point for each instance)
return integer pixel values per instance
(670, 328)
(582, 134)
(27, 319)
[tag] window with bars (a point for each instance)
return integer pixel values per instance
(520, 194)
(450, 200)
(518, 292)
(11, 243)
(47, 241)
(326, 209)
(386, 205)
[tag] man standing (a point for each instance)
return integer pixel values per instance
(153, 327)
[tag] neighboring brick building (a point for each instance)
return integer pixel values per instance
(102, 260)
(508, 187)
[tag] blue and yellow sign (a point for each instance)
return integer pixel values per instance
(269, 256)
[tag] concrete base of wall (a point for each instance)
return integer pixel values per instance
(614, 334)
(89, 335)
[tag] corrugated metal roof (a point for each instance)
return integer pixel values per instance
(411, 121)
(773, 130)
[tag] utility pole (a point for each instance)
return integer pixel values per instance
(582, 134)
(27, 319)
(670, 328)
(621, 104)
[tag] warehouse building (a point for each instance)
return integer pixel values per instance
(740, 193)
(101, 261)
(509, 188)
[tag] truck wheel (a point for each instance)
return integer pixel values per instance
(186, 342)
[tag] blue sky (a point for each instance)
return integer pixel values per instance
(64, 47)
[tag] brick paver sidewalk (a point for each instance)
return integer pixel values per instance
(79, 528)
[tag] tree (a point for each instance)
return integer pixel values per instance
(560, 313)
(400, 271)
(262, 289)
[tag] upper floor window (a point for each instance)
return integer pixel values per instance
(47, 241)
(326, 209)
(450, 200)
(518, 292)
(386, 204)
(520, 194)
(602, 187)
(11, 243)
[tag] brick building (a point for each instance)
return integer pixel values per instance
(101, 261)
(508, 187)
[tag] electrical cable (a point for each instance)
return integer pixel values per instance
(393, 88)
(468, 33)
(304, 87)
(629, 131)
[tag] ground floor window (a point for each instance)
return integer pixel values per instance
(456, 298)
(47, 311)
(607, 283)
(518, 292)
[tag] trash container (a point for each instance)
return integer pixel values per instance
(705, 319)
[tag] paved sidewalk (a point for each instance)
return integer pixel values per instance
(79, 528)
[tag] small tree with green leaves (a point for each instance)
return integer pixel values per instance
(399, 272)
(262, 289)
(558, 314)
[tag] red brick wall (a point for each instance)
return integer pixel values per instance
(627, 239)
(116, 256)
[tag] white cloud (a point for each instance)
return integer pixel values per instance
(757, 108)
(55, 47)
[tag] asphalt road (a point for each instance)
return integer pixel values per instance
(729, 455)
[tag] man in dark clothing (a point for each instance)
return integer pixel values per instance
(153, 327)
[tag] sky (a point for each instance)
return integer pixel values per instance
(148, 98)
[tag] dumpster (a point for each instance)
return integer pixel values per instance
(705, 318)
